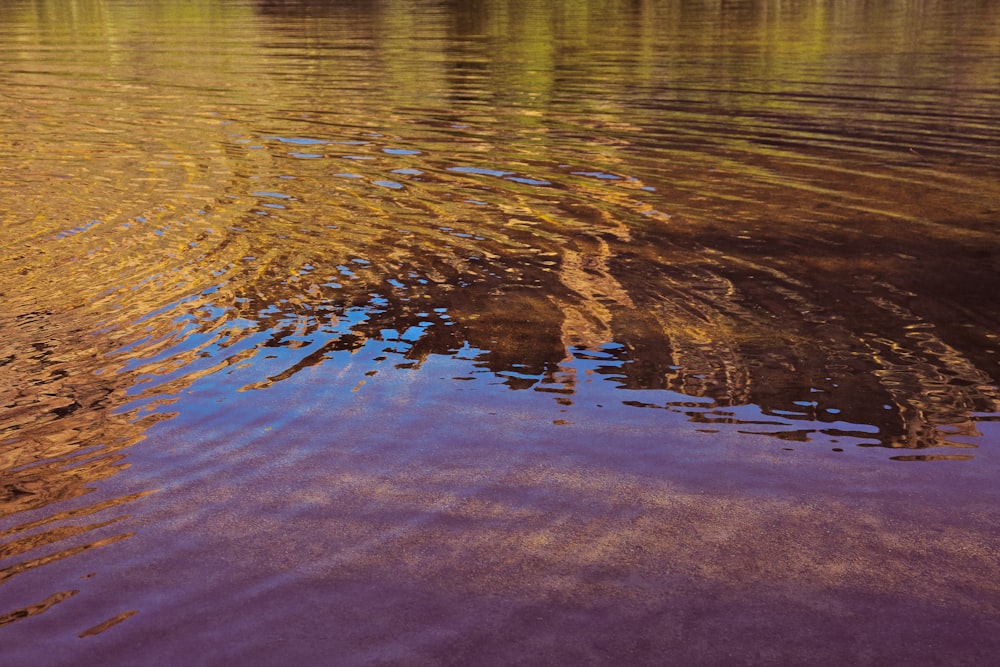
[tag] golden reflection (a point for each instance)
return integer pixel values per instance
(37, 608)
(114, 620)
(142, 199)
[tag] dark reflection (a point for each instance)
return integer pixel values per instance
(317, 8)
(811, 345)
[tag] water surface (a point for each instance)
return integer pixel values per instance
(499, 332)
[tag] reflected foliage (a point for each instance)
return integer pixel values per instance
(741, 227)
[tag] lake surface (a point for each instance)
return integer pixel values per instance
(499, 332)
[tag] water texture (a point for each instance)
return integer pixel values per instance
(499, 332)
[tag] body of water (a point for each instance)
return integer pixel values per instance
(499, 332)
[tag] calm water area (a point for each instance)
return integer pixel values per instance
(496, 332)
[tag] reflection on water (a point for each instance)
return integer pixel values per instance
(753, 218)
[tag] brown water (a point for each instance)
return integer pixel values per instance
(499, 332)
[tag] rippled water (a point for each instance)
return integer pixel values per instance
(499, 332)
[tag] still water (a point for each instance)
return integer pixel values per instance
(499, 332)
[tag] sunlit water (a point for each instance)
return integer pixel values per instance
(499, 332)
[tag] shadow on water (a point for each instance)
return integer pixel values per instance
(767, 225)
